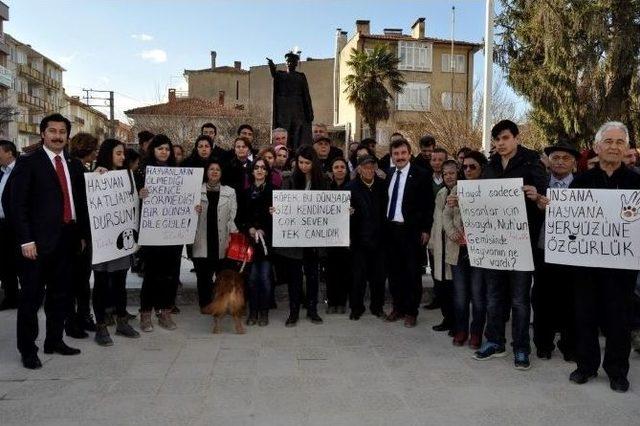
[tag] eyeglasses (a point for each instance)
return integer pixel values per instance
(469, 167)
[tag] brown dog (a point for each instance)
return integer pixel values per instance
(228, 298)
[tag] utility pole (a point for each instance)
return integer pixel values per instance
(89, 97)
(488, 78)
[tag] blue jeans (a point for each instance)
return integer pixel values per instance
(468, 286)
(501, 285)
(260, 286)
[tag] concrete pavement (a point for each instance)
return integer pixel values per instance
(340, 373)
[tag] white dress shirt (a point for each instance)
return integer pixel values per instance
(52, 156)
(6, 170)
(404, 173)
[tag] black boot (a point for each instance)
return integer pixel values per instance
(263, 318)
(252, 319)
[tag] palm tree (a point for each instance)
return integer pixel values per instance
(366, 89)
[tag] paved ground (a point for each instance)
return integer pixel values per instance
(339, 373)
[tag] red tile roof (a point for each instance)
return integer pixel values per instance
(191, 107)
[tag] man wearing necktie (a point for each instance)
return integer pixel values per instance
(8, 253)
(552, 293)
(409, 216)
(49, 214)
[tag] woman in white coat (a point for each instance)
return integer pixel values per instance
(216, 221)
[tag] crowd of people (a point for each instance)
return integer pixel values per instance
(404, 216)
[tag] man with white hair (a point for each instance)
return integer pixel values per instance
(603, 296)
(279, 136)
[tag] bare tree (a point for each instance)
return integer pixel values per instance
(454, 128)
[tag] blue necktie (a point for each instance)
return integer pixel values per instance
(394, 197)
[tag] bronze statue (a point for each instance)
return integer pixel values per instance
(292, 108)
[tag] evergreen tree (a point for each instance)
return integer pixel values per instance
(576, 62)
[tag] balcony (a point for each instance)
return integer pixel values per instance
(6, 77)
(31, 73)
(4, 47)
(34, 102)
(28, 128)
(51, 83)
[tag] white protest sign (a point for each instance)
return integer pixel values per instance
(112, 202)
(495, 223)
(311, 218)
(598, 228)
(168, 214)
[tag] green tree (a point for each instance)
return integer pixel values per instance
(375, 77)
(575, 61)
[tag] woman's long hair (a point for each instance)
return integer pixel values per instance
(194, 159)
(105, 154)
(157, 141)
(317, 178)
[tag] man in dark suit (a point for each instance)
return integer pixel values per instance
(409, 216)
(8, 253)
(48, 212)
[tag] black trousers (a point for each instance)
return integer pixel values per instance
(443, 290)
(80, 288)
(368, 267)
(9, 256)
(339, 273)
(403, 260)
(109, 289)
(49, 274)
(603, 297)
(553, 306)
(205, 268)
(158, 285)
(295, 267)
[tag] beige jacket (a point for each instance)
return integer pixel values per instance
(439, 244)
(227, 208)
(452, 223)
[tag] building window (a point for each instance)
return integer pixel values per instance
(459, 63)
(415, 56)
(415, 97)
(458, 101)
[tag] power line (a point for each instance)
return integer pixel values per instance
(89, 97)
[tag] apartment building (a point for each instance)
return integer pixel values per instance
(37, 88)
(438, 73)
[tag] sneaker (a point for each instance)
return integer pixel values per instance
(124, 329)
(521, 361)
(489, 350)
(165, 321)
(102, 336)
(145, 322)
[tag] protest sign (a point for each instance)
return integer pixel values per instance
(112, 201)
(311, 218)
(495, 223)
(168, 214)
(593, 227)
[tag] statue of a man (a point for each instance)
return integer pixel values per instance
(292, 108)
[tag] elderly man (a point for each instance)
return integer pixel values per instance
(603, 296)
(368, 199)
(552, 294)
(280, 136)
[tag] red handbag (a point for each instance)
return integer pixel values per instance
(240, 248)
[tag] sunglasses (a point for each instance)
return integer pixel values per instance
(469, 167)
